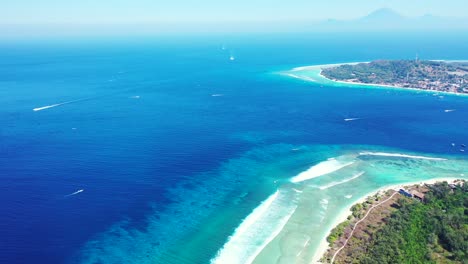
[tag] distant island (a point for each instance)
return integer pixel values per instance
(415, 224)
(437, 76)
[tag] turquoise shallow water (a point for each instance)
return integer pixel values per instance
(291, 217)
(313, 74)
(165, 146)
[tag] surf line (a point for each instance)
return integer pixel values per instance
(333, 184)
(323, 168)
(398, 155)
(75, 193)
(256, 231)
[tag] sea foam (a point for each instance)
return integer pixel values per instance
(343, 181)
(257, 230)
(302, 77)
(398, 155)
(321, 169)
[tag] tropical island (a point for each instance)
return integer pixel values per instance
(415, 224)
(440, 76)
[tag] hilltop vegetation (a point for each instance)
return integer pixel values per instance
(428, 75)
(433, 231)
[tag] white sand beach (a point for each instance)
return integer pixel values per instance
(317, 69)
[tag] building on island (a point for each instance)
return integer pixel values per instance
(405, 193)
(417, 195)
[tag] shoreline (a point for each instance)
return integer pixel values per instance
(282, 228)
(324, 66)
(324, 245)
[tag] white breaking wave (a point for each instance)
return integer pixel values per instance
(306, 78)
(304, 68)
(75, 193)
(397, 155)
(343, 181)
(298, 191)
(324, 203)
(348, 196)
(449, 110)
(312, 67)
(293, 76)
(256, 231)
(320, 169)
(217, 95)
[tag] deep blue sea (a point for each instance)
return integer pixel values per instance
(156, 135)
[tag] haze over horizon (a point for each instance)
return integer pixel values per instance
(232, 132)
(143, 16)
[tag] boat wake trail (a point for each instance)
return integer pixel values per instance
(64, 103)
(75, 193)
(352, 119)
(46, 107)
(59, 104)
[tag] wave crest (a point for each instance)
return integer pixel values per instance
(321, 169)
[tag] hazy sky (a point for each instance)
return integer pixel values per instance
(142, 11)
(42, 18)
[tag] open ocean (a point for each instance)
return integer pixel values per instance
(154, 150)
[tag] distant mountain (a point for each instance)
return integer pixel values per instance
(386, 19)
(382, 15)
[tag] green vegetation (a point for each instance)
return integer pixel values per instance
(337, 232)
(430, 75)
(433, 231)
(358, 211)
